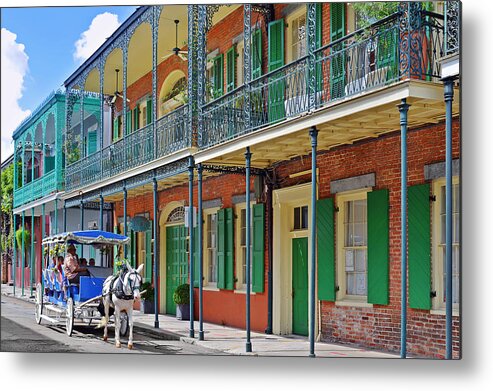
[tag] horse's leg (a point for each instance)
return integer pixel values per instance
(106, 303)
(117, 326)
(131, 325)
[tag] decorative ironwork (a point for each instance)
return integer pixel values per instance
(247, 63)
(311, 44)
(171, 169)
(267, 10)
(452, 27)
(192, 66)
(177, 215)
(232, 169)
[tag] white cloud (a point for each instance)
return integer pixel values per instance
(14, 69)
(102, 26)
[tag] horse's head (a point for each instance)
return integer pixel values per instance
(133, 280)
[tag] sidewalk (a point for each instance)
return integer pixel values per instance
(230, 340)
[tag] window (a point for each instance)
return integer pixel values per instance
(300, 217)
(241, 263)
(239, 62)
(298, 37)
(352, 240)
(439, 231)
(211, 247)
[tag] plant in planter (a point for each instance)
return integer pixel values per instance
(181, 297)
(147, 298)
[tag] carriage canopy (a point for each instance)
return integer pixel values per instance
(91, 237)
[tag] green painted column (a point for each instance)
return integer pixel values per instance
(125, 248)
(14, 263)
(31, 267)
(23, 252)
(56, 215)
(81, 225)
(42, 235)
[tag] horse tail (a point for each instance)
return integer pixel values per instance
(102, 323)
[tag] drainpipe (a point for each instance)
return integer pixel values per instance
(269, 255)
(156, 254)
(313, 135)
(201, 256)
(403, 109)
(248, 157)
(449, 97)
(190, 243)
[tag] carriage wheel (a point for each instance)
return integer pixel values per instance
(123, 324)
(39, 303)
(70, 316)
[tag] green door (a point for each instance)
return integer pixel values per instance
(300, 286)
(176, 263)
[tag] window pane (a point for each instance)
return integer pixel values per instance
(304, 217)
(297, 218)
(360, 260)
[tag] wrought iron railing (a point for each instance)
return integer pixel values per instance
(452, 27)
(133, 150)
(40, 187)
(405, 45)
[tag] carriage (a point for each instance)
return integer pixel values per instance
(58, 301)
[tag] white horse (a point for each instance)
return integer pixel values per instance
(120, 292)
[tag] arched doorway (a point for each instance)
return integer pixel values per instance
(174, 254)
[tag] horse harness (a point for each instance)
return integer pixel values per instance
(116, 286)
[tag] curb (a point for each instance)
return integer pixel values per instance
(158, 333)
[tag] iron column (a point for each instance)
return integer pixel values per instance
(56, 215)
(101, 204)
(190, 243)
(14, 263)
(248, 157)
(23, 251)
(42, 234)
(81, 224)
(403, 109)
(65, 216)
(201, 256)
(313, 135)
(125, 250)
(449, 97)
(155, 251)
(31, 273)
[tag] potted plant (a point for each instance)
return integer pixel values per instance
(181, 297)
(147, 298)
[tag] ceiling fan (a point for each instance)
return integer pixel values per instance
(117, 94)
(176, 50)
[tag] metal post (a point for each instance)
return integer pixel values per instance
(313, 135)
(155, 251)
(248, 157)
(449, 97)
(201, 255)
(270, 256)
(31, 267)
(14, 263)
(190, 243)
(23, 252)
(43, 219)
(81, 224)
(125, 249)
(403, 109)
(65, 216)
(56, 215)
(101, 204)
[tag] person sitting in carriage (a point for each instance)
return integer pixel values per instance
(71, 266)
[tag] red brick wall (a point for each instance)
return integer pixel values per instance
(223, 306)
(379, 326)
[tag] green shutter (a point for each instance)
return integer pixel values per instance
(136, 124)
(221, 249)
(386, 55)
(218, 76)
(115, 129)
(258, 246)
(196, 261)
(148, 249)
(378, 246)
(276, 60)
(338, 63)
(149, 111)
(229, 271)
(49, 163)
(419, 246)
(231, 68)
(92, 142)
(128, 126)
(256, 54)
(325, 250)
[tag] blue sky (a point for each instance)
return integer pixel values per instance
(40, 45)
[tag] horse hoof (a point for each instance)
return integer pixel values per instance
(130, 346)
(105, 339)
(118, 345)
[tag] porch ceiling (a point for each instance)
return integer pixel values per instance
(358, 125)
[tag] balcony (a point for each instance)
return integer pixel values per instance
(36, 189)
(132, 151)
(390, 51)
